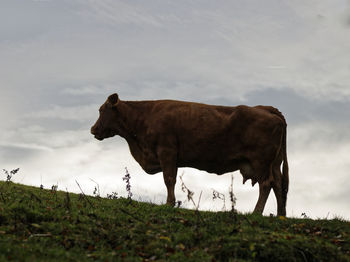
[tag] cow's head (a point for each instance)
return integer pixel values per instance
(107, 123)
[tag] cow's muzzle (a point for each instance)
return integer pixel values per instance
(95, 133)
(98, 137)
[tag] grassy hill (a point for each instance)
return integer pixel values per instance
(49, 225)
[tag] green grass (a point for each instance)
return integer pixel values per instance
(45, 225)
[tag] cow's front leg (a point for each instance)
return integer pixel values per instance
(169, 175)
(167, 160)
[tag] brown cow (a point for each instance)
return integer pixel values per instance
(166, 134)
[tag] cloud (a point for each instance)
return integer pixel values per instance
(88, 90)
(118, 12)
(81, 113)
(192, 60)
(300, 108)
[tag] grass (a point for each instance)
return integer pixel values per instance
(50, 225)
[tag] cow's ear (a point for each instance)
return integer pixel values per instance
(113, 99)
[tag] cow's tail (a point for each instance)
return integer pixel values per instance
(285, 168)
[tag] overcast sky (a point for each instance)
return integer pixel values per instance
(60, 59)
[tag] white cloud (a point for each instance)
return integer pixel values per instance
(118, 12)
(30, 146)
(77, 113)
(234, 53)
(88, 90)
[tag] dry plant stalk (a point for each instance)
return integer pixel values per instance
(232, 196)
(127, 178)
(96, 192)
(221, 196)
(83, 194)
(190, 193)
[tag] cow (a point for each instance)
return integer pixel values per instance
(164, 135)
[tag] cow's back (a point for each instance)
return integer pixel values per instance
(188, 115)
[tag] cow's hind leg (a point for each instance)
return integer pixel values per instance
(263, 172)
(277, 188)
(168, 165)
(264, 191)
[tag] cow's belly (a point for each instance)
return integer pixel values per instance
(213, 158)
(213, 165)
(151, 165)
(213, 168)
(219, 168)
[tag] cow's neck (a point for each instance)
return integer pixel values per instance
(134, 116)
(132, 119)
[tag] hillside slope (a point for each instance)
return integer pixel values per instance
(49, 225)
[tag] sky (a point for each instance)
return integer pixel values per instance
(61, 59)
